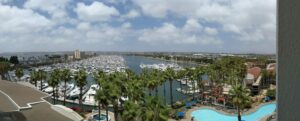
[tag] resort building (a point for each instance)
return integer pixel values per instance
(253, 79)
(77, 54)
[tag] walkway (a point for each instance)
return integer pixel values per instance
(14, 96)
(6, 104)
(22, 95)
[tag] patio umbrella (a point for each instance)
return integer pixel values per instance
(180, 114)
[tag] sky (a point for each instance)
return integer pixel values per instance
(232, 26)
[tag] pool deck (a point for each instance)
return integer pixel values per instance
(27, 100)
(194, 108)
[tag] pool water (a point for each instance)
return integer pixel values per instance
(101, 118)
(211, 115)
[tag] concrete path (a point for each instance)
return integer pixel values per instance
(6, 104)
(21, 94)
(28, 100)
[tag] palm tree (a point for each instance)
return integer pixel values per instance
(135, 90)
(199, 72)
(4, 67)
(100, 77)
(33, 77)
(66, 76)
(189, 74)
(99, 97)
(170, 74)
(19, 73)
(53, 82)
(114, 93)
(131, 111)
(80, 78)
(41, 75)
(102, 96)
(149, 78)
(156, 78)
(240, 97)
(153, 110)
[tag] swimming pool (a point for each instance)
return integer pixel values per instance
(211, 115)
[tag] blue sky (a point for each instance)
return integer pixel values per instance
(238, 26)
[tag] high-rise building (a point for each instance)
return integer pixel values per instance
(77, 54)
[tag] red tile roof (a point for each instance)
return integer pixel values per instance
(255, 71)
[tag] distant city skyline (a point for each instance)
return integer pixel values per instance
(216, 26)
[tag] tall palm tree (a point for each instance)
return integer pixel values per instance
(19, 73)
(66, 76)
(33, 77)
(199, 72)
(135, 90)
(131, 111)
(99, 97)
(189, 74)
(53, 82)
(157, 79)
(80, 78)
(41, 76)
(153, 110)
(151, 84)
(240, 97)
(4, 67)
(100, 93)
(102, 96)
(115, 92)
(162, 80)
(170, 74)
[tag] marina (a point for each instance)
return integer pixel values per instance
(108, 64)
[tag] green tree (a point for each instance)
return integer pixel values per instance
(115, 92)
(80, 78)
(4, 67)
(153, 110)
(14, 60)
(66, 76)
(131, 112)
(53, 82)
(41, 76)
(170, 74)
(240, 98)
(19, 73)
(100, 96)
(33, 77)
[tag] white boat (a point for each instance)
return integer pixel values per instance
(48, 89)
(44, 85)
(69, 88)
(89, 96)
(74, 94)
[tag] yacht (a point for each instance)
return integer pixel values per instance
(74, 94)
(89, 96)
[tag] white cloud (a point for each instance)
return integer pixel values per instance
(17, 20)
(126, 25)
(83, 26)
(97, 11)
(132, 14)
(243, 18)
(170, 34)
(192, 25)
(211, 31)
(153, 7)
(56, 8)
